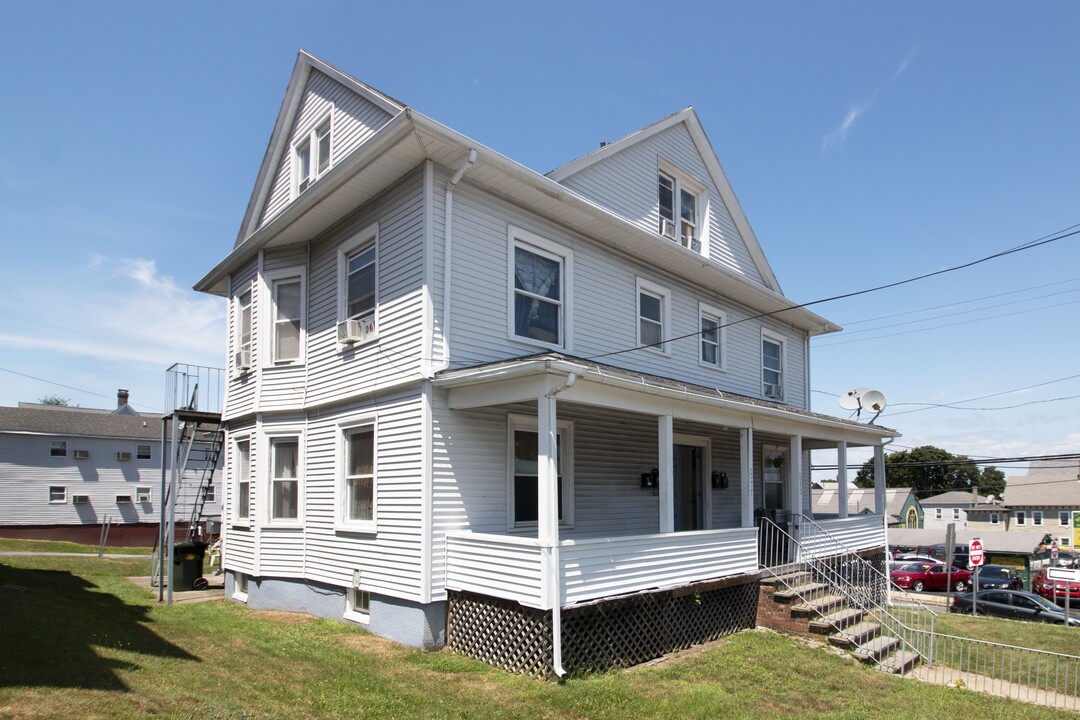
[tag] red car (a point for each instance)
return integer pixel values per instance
(920, 576)
(1056, 590)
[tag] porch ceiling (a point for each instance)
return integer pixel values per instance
(528, 378)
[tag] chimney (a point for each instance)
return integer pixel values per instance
(121, 398)
(974, 494)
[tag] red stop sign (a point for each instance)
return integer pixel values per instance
(975, 553)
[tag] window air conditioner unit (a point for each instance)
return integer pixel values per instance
(80, 499)
(242, 360)
(353, 331)
(667, 228)
(689, 241)
(123, 499)
(123, 456)
(773, 391)
(82, 454)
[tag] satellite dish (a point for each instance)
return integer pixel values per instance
(873, 400)
(852, 399)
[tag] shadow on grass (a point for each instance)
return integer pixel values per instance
(51, 621)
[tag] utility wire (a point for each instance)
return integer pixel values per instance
(1038, 242)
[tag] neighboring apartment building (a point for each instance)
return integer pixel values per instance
(64, 471)
(1043, 501)
(463, 394)
(951, 507)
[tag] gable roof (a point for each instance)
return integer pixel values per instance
(1048, 483)
(953, 498)
(689, 118)
(77, 422)
(279, 138)
(827, 501)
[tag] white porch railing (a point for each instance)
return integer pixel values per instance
(823, 538)
(590, 569)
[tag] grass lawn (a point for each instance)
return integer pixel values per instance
(10, 545)
(77, 640)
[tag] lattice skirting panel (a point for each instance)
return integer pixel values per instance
(599, 636)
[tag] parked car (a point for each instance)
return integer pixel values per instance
(997, 577)
(1015, 604)
(901, 559)
(961, 554)
(1057, 590)
(920, 576)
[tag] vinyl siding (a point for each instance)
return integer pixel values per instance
(240, 538)
(354, 120)
(626, 183)
(27, 470)
(603, 308)
(240, 392)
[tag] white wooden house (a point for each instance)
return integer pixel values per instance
(465, 395)
(66, 471)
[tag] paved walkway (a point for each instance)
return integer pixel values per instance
(940, 674)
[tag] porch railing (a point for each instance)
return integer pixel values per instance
(512, 568)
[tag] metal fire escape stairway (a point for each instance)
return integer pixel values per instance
(203, 441)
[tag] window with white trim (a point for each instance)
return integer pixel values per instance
(995, 518)
(358, 605)
(287, 313)
(209, 494)
(240, 586)
(57, 494)
(1036, 517)
(540, 285)
(1063, 518)
(58, 448)
(772, 367)
(654, 316)
(312, 156)
(937, 513)
(285, 478)
(143, 495)
(1021, 517)
(243, 330)
(143, 452)
(680, 201)
(356, 490)
(524, 472)
(713, 336)
(956, 513)
(358, 287)
(242, 469)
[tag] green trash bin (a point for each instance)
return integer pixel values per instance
(188, 566)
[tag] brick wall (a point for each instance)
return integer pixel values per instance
(777, 615)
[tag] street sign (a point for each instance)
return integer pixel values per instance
(975, 553)
(1060, 573)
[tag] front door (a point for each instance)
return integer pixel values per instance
(689, 477)
(772, 475)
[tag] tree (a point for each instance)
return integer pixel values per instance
(55, 400)
(929, 470)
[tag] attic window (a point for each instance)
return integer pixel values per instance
(680, 209)
(313, 156)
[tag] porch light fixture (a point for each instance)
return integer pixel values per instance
(650, 480)
(719, 480)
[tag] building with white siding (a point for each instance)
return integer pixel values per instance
(64, 471)
(463, 393)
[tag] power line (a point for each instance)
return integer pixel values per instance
(952, 405)
(1038, 242)
(51, 382)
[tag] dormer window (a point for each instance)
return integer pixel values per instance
(313, 156)
(679, 210)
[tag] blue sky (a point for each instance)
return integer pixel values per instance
(866, 142)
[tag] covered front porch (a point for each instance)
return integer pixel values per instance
(668, 485)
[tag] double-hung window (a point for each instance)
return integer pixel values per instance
(58, 448)
(956, 513)
(525, 472)
(540, 286)
(713, 336)
(242, 469)
(243, 331)
(57, 494)
(284, 479)
(1063, 518)
(1037, 517)
(358, 287)
(357, 483)
(937, 513)
(142, 452)
(995, 518)
(312, 156)
(654, 316)
(772, 367)
(1021, 517)
(679, 208)
(287, 313)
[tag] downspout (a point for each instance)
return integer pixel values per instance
(552, 535)
(448, 241)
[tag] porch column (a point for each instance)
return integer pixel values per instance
(746, 475)
(879, 480)
(666, 439)
(841, 476)
(547, 484)
(795, 478)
